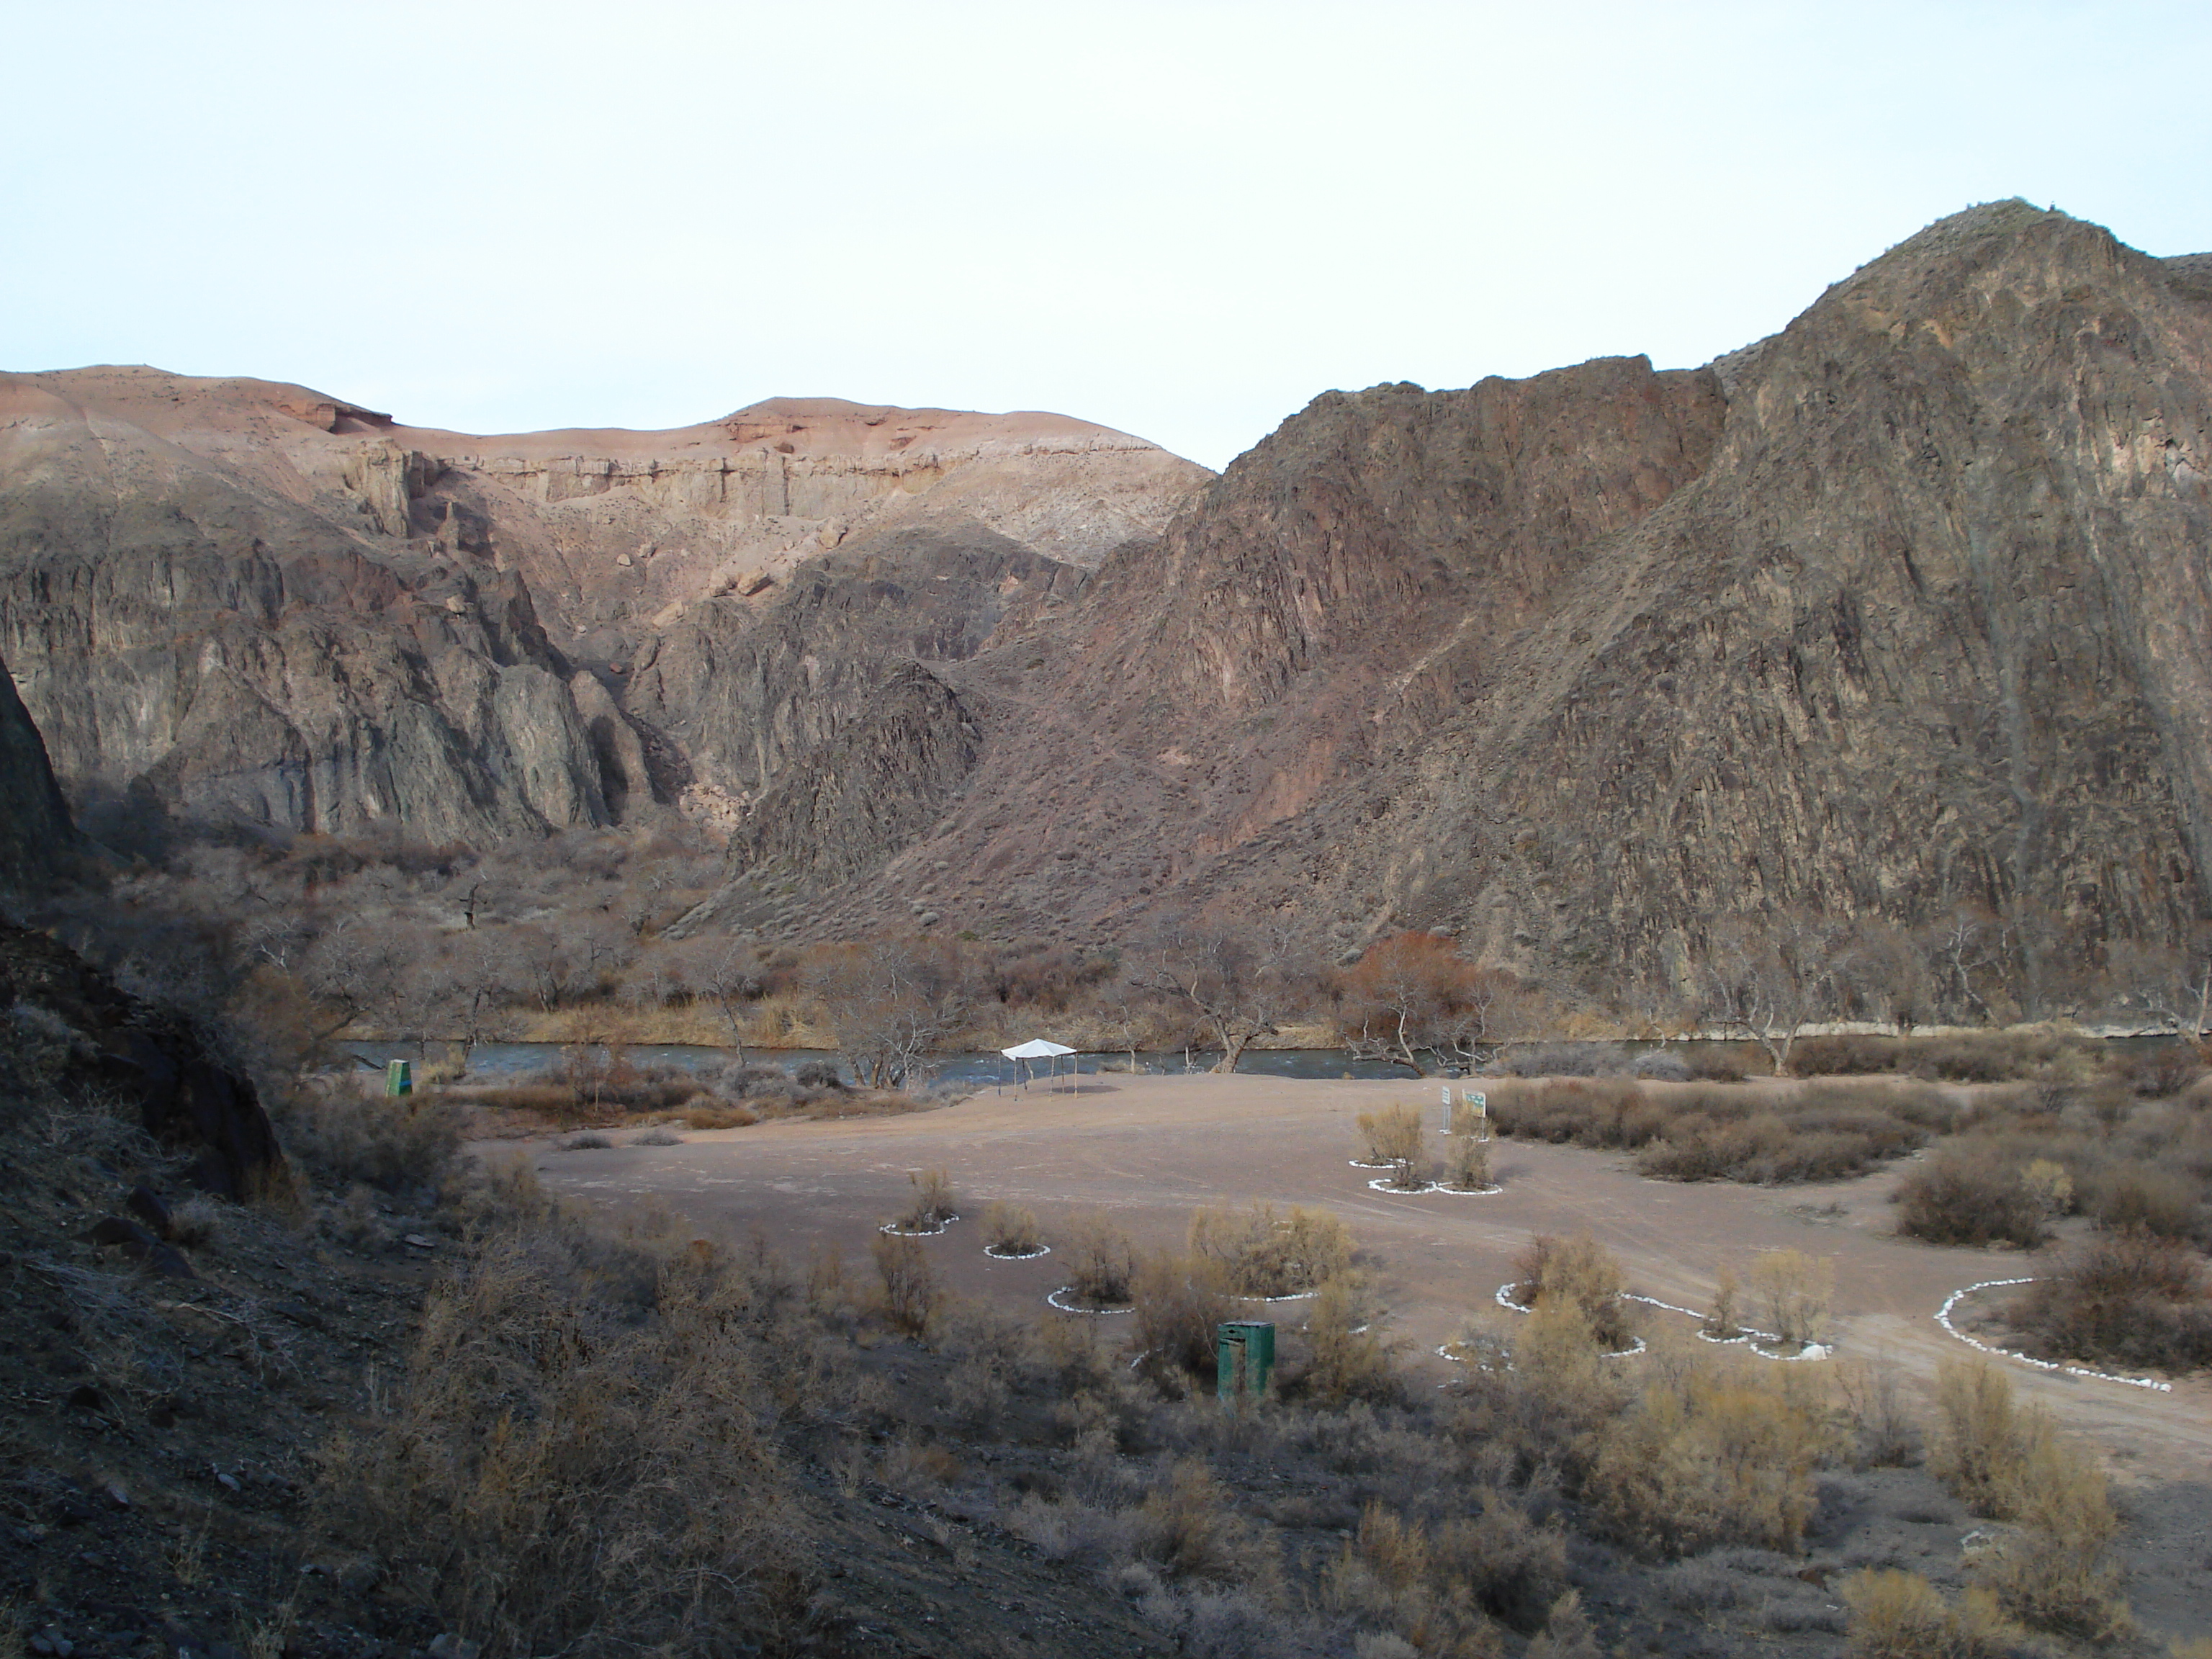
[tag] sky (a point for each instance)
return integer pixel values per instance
(1184, 220)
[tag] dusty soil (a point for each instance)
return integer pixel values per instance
(1149, 1150)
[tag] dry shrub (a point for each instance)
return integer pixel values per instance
(1725, 1062)
(910, 1297)
(2133, 1195)
(1810, 1132)
(339, 1137)
(1885, 1433)
(1543, 1397)
(200, 1223)
(1189, 1528)
(1100, 1262)
(705, 1112)
(828, 1288)
(2157, 1073)
(1351, 1360)
(354, 1220)
(1395, 1135)
(1181, 1302)
(1594, 1112)
(2013, 1465)
(1580, 1272)
(931, 1204)
(1467, 1166)
(1899, 1615)
(567, 1473)
(2129, 1299)
(548, 1100)
(1721, 1323)
(1978, 1450)
(1713, 1453)
(1011, 1229)
(1441, 1587)
(1970, 1196)
(1263, 1255)
(2031, 1053)
(1791, 1291)
(1566, 1633)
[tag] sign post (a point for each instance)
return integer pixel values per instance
(1476, 1105)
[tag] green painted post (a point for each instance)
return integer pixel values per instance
(1244, 1360)
(398, 1078)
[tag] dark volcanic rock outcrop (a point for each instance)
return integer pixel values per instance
(186, 1097)
(38, 842)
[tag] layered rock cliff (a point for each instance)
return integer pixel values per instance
(1909, 605)
(231, 600)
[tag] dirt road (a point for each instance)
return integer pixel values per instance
(1149, 1150)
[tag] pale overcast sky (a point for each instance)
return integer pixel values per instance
(1180, 219)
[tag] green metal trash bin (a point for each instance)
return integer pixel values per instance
(398, 1078)
(1244, 1359)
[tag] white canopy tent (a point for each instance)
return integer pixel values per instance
(1023, 1053)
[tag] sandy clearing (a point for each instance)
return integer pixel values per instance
(1149, 1150)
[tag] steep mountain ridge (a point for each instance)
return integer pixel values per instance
(1905, 607)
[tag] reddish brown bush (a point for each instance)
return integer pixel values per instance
(2129, 1299)
(1970, 1197)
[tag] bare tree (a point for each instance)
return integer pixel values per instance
(1771, 976)
(1240, 980)
(1416, 996)
(2173, 983)
(892, 1002)
(357, 968)
(727, 969)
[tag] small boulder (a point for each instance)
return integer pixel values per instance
(148, 1208)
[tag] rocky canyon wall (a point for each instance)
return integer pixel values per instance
(234, 601)
(1903, 608)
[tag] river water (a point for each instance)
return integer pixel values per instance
(494, 1061)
